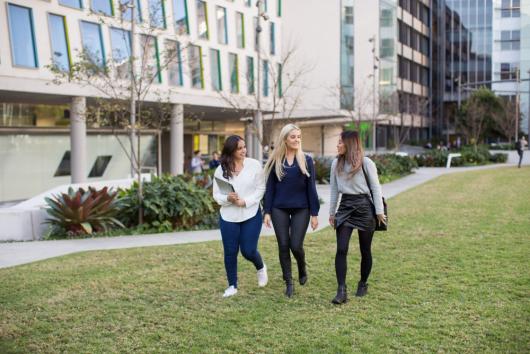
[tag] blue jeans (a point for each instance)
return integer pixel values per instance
(240, 235)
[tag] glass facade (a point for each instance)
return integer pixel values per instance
(272, 31)
(33, 115)
(234, 72)
(195, 63)
(265, 78)
(59, 42)
(120, 41)
(174, 63)
(157, 14)
(180, 15)
(202, 19)
(150, 60)
(346, 55)
(251, 84)
(215, 70)
(222, 31)
(93, 42)
(72, 3)
(240, 29)
(469, 38)
(102, 6)
(127, 11)
(22, 36)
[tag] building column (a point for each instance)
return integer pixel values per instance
(249, 141)
(257, 151)
(176, 140)
(78, 141)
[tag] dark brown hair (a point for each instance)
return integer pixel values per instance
(227, 155)
(354, 152)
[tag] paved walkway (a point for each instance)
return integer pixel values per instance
(16, 253)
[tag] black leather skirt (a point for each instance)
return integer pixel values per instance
(356, 211)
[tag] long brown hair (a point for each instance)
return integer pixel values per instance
(354, 153)
(227, 155)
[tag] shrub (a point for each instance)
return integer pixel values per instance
(499, 158)
(82, 212)
(502, 146)
(169, 202)
(322, 168)
(470, 157)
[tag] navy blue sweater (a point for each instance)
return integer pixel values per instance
(295, 190)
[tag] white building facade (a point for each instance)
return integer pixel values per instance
(208, 84)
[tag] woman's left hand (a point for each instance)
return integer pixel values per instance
(314, 222)
(381, 218)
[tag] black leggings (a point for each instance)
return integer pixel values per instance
(365, 244)
(290, 226)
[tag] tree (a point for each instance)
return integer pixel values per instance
(507, 120)
(478, 113)
(125, 97)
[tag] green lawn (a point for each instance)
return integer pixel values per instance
(452, 275)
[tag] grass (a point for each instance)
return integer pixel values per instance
(451, 276)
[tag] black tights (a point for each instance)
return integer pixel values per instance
(365, 244)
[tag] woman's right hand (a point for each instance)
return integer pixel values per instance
(233, 197)
(267, 220)
(332, 221)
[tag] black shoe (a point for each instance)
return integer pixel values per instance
(302, 275)
(289, 288)
(362, 289)
(342, 295)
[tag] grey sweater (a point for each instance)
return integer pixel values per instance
(343, 183)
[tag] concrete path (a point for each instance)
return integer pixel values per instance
(16, 253)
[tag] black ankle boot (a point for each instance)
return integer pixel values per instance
(342, 295)
(302, 275)
(362, 289)
(289, 288)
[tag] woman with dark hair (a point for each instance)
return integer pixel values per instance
(239, 186)
(349, 174)
(291, 201)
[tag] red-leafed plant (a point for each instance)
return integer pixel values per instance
(82, 212)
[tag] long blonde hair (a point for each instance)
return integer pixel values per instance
(354, 153)
(277, 156)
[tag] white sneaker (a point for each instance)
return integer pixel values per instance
(230, 291)
(263, 278)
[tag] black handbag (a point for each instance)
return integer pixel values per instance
(378, 226)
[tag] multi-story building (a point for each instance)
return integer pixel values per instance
(44, 140)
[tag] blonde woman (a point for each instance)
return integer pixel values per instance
(291, 201)
(349, 172)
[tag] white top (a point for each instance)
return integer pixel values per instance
(249, 185)
(343, 183)
(196, 165)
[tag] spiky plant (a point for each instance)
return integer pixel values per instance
(82, 212)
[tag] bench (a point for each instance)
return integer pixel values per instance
(450, 157)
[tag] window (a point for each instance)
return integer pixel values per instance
(265, 78)
(272, 39)
(103, 7)
(510, 40)
(240, 29)
(348, 15)
(126, 11)
(195, 62)
(250, 76)
(215, 70)
(100, 165)
(509, 71)
(93, 42)
(280, 84)
(150, 58)
(202, 19)
(59, 42)
(64, 166)
(387, 47)
(387, 18)
(22, 35)
(120, 41)
(248, 2)
(174, 63)
(511, 8)
(234, 72)
(222, 33)
(279, 8)
(71, 3)
(180, 13)
(157, 14)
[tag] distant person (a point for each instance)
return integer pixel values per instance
(196, 162)
(520, 145)
(240, 220)
(291, 201)
(428, 145)
(349, 174)
(458, 143)
(214, 162)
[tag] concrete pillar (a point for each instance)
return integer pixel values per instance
(249, 138)
(78, 141)
(258, 136)
(176, 152)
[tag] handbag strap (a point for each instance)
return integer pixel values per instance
(368, 183)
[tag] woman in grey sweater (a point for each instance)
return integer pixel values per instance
(357, 210)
